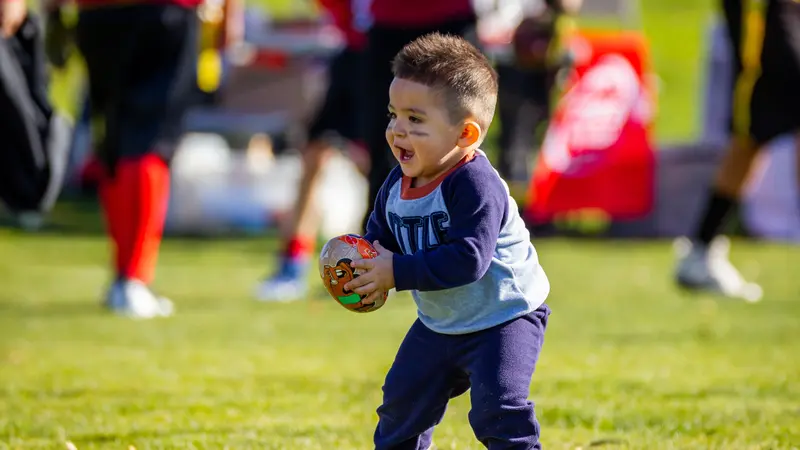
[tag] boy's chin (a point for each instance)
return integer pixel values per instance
(409, 171)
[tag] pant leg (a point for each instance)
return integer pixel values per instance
(141, 65)
(523, 106)
(383, 44)
(500, 362)
(418, 386)
(774, 107)
(338, 117)
(508, 102)
(162, 84)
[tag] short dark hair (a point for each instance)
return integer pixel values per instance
(455, 67)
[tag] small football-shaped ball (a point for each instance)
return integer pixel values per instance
(336, 271)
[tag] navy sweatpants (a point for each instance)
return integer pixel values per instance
(431, 368)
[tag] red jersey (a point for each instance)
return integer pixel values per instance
(344, 18)
(419, 13)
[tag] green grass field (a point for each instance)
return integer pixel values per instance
(629, 362)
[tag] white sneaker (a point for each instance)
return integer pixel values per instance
(282, 289)
(132, 298)
(30, 220)
(707, 268)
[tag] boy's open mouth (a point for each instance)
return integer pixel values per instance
(405, 154)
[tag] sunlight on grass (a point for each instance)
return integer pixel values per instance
(627, 357)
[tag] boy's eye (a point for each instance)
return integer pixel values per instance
(415, 119)
(391, 115)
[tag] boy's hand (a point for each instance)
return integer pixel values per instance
(379, 276)
(12, 14)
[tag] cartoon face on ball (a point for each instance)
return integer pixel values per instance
(336, 277)
(336, 270)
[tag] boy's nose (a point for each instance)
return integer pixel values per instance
(398, 129)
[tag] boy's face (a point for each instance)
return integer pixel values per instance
(420, 133)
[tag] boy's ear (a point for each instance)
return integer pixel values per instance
(470, 134)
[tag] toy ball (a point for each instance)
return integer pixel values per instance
(336, 271)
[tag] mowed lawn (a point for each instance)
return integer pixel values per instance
(629, 361)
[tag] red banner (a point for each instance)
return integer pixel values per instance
(597, 151)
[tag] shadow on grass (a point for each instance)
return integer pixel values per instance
(13, 308)
(73, 216)
(240, 434)
(81, 216)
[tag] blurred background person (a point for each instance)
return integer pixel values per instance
(335, 125)
(141, 63)
(766, 105)
(527, 81)
(364, 65)
(34, 151)
(395, 24)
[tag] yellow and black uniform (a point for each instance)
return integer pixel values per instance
(766, 44)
